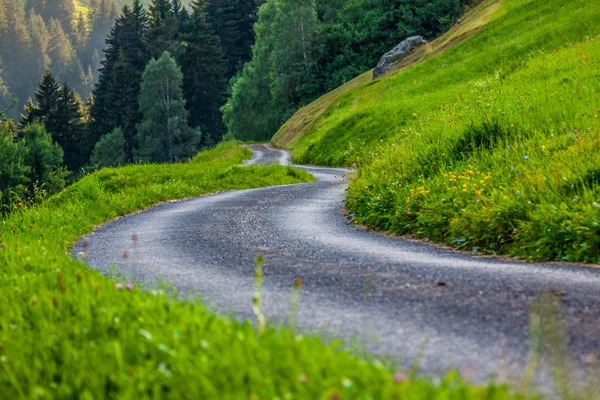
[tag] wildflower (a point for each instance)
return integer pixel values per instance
(575, 131)
(400, 377)
(526, 158)
(129, 286)
(119, 286)
(566, 131)
(2, 245)
(575, 200)
(303, 378)
(512, 168)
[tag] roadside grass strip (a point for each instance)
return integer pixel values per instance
(67, 332)
(493, 145)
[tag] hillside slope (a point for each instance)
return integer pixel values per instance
(488, 142)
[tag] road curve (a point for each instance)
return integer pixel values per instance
(397, 298)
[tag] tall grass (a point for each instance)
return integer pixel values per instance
(493, 145)
(68, 332)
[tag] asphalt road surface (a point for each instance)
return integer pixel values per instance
(394, 297)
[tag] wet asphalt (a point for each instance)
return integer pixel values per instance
(398, 299)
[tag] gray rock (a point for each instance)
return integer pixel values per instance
(393, 56)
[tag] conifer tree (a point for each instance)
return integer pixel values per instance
(60, 48)
(164, 27)
(61, 112)
(201, 58)
(38, 6)
(40, 40)
(81, 32)
(16, 45)
(43, 110)
(116, 93)
(232, 21)
(101, 19)
(164, 135)
(71, 130)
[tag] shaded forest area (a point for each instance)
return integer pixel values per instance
(159, 83)
(155, 95)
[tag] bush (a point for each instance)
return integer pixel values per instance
(110, 150)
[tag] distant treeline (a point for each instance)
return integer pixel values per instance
(305, 48)
(48, 34)
(161, 83)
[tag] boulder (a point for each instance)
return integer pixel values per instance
(393, 56)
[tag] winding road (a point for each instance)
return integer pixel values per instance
(394, 297)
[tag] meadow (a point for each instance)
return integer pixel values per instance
(491, 144)
(66, 331)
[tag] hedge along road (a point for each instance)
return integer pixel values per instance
(393, 297)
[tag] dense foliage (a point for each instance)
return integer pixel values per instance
(305, 48)
(44, 41)
(164, 135)
(205, 59)
(30, 167)
(492, 145)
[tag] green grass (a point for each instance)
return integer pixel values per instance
(68, 332)
(490, 145)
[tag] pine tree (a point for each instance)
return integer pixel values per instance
(16, 45)
(117, 91)
(43, 110)
(164, 27)
(81, 32)
(64, 12)
(201, 58)
(71, 130)
(61, 112)
(233, 21)
(101, 19)
(39, 6)
(59, 48)
(163, 135)
(40, 40)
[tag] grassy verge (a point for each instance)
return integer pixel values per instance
(491, 145)
(68, 332)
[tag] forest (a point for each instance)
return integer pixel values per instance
(87, 86)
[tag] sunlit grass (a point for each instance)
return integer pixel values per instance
(492, 145)
(68, 332)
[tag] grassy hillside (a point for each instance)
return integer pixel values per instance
(68, 332)
(491, 142)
